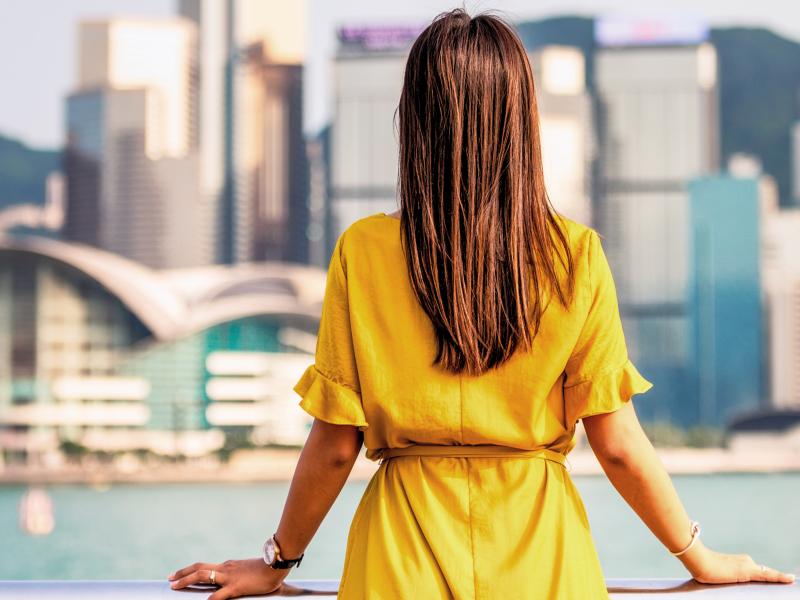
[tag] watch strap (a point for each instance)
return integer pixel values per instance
(283, 563)
(287, 563)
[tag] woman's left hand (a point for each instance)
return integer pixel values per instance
(236, 578)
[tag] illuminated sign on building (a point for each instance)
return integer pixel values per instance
(388, 37)
(633, 30)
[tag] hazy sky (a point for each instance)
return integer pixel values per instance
(37, 42)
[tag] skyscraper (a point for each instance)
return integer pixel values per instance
(151, 54)
(269, 212)
(725, 298)
(781, 283)
(796, 163)
(252, 149)
(129, 162)
(368, 79)
(320, 221)
(658, 127)
(211, 18)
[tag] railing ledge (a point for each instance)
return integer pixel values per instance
(627, 589)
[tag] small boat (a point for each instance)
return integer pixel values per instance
(36, 512)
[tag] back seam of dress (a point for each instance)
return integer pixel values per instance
(461, 409)
(471, 537)
(469, 488)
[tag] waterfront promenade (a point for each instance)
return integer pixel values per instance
(278, 465)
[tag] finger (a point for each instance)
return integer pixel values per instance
(199, 576)
(191, 569)
(772, 575)
(222, 594)
(220, 578)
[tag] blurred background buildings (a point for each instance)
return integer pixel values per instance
(659, 122)
(111, 354)
(164, 290)
(131, 162)
(249, 123)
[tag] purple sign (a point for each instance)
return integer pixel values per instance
(390, 37)
(637, 30)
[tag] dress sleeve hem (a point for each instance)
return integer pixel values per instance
(328, 400)
(605, 393)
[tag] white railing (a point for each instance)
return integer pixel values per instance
(622, 589)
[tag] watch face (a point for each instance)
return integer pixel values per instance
(269, 552)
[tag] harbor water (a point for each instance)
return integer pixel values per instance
(145, 531)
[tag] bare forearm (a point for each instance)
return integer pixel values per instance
(642, 480)
(318, 479)
(634, 469)
(325, 462)
(644, 483)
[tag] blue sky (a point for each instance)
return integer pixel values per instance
(37, 42)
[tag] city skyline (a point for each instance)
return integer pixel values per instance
(34, 114)
(629, 112)
(120, 336)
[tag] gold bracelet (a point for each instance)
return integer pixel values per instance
(695, 529)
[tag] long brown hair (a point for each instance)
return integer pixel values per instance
(477, 225)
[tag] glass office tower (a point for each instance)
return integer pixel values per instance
(725, 297)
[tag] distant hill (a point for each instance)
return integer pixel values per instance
(23, 171)
(760, 91)
(759, 85)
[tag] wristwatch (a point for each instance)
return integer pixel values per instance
(272, 556)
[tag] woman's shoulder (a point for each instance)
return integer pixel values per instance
(359, 231)
(368, 223)
(580, 237)
(363, 236)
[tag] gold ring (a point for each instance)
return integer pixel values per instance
(213, 577)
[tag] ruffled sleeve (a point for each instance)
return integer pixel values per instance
(329, 400)
(599, 375)
(330, 388)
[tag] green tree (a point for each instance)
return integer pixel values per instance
(235, 439)
(664, 434)
(705, 437)
(74, 451)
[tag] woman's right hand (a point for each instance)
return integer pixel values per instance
(708, 566)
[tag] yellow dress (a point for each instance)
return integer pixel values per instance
(453, 527)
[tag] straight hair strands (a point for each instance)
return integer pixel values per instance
(477, 227)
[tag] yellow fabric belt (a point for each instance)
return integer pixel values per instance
(487, 450)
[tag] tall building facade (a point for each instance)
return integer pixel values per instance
(725, 298)
(208, 121)
(320, 221)
(796, 163)
(367, 79)
(130, 161)
(249, 123)
(781, 297)
(658, 127)
(269, 213)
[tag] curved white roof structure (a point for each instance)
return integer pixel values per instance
(178, 302)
